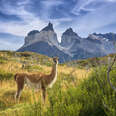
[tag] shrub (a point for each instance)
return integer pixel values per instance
(101, 94)
(3, 60)
(25, 54)
(91, 97)
(33, 68)
(5, 75)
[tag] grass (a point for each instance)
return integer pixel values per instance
(5, 75)
(77, 92)
(90, 62)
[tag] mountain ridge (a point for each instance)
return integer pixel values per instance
(72, 46)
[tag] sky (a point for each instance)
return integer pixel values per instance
(18, 17)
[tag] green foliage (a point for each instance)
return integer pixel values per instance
(3, 60)
(102, 96)
(33, 68)
(93, 97)
(2, 105)
(10, 53)
(5, 75)
(63, 103)
(25, 54)
(49, 64)
(90, 62)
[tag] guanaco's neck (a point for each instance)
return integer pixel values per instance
(54, 71)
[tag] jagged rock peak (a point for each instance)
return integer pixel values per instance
(49, 27)
(33, 32)
(93, 36)
(110, 36)
(107, 35)
(70, 32)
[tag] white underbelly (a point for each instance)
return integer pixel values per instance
(32, 85)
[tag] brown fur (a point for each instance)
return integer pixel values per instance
(36, 78)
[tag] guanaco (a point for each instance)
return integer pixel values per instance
(37, 80)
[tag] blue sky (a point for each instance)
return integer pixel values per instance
(18, 17)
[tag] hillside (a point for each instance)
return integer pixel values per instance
(80, 85)
(91, 62)
(13, 62)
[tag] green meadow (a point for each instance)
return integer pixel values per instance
(80, 90)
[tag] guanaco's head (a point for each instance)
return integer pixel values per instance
(55, 59)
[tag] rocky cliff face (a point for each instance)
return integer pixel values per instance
(44, 42)
(72, 46)
(107, 37)
(69, 37)
(29, 37)
(105, 42)
(47, 35)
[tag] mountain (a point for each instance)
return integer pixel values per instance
(69, 37)
(80, 48)
(72, 46)
(108, 36)
(70, 41)
(94, 45)
(49, 27)
(103, 42)
(44, 42)
(47, 34)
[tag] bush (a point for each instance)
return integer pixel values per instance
(25, 54)
(93, 97)
(3, 60)
(33, 68)
(5, 75)
(102, 96)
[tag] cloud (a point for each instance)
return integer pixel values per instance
(5, 45)
(50, 3)
(111, 0)
(18, 17)
(94, 21)
(9, 41)
(81, 5)
(89, 5)
(30, 22)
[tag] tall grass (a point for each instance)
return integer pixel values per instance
(5, 75)
(92, 97)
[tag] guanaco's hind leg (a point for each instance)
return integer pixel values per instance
(20, 86)
(44, 93)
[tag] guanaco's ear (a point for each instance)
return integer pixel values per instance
(57, 58)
